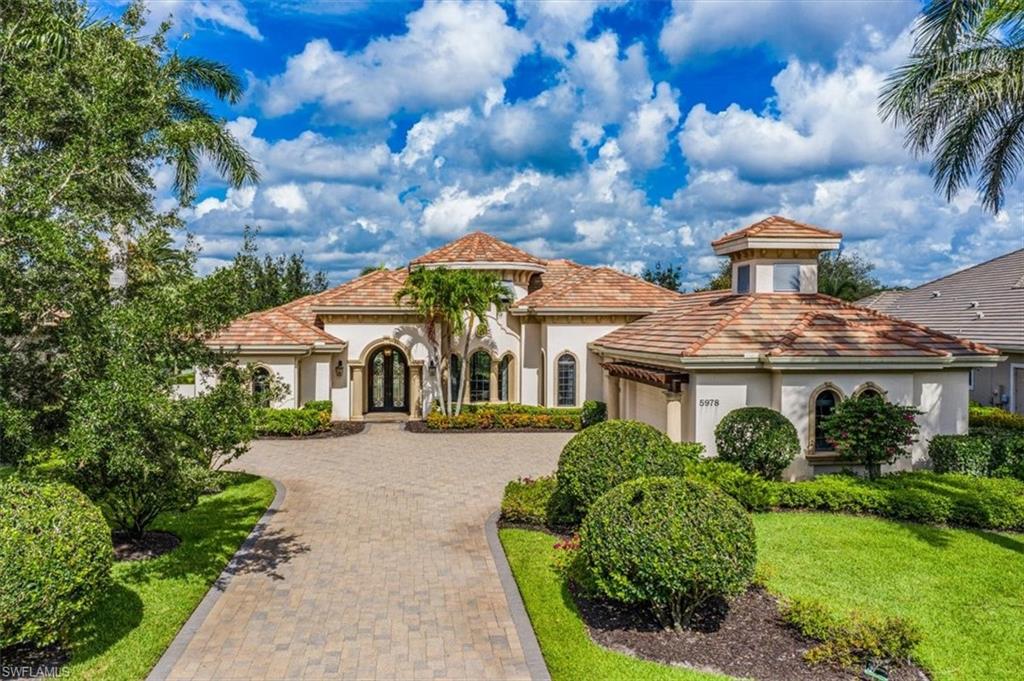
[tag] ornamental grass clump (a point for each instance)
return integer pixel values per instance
(758, 440)
(670, 543)
(606, 454)
(871, 431)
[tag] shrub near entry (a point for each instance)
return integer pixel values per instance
(606, 454)
(966, 454)
(55, 558)
(758, 440)
(671, 543)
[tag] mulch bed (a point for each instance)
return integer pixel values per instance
(29, 662)
(338, 429)
(421, 427)
(745, 638)
(149, 545)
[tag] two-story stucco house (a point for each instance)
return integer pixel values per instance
(677, 361)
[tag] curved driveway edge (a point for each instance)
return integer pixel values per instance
(166, 663)
(527, 637)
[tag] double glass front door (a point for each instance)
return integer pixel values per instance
(389, 381)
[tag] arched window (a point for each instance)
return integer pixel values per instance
(480, 377)
(455, 374)
(261, 386)
(504, 375)
(870, 392)
(824, 404)
(566, 380)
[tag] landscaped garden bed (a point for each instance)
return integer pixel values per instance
(602, 571)
(312, 421)
(475, 418)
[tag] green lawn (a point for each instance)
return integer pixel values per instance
(128, 631)
(963, 589)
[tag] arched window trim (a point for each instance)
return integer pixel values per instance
(812, 417)
(575, 388)
(870, 385)
(256, 369)
(479, 388)
(509, 393)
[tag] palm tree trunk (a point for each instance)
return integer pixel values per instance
(464, 365)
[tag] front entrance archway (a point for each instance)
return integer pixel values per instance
(388, 381)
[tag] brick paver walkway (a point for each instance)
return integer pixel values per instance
(376, 566)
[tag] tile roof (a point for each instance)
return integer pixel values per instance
(374, 290)
(778, 227)
(271, 327)
(478, 247)
(984, 303)
(718, 324)
(570, 286)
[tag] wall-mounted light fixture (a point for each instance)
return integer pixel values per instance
(339, 368)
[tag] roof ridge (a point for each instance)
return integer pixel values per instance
(718, 326)
(963, 342)
(795, 331)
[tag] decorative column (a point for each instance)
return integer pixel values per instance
(674, 416)
(416, 391)
(356, 392)
(611, 395)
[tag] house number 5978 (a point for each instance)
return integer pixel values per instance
(709, 403)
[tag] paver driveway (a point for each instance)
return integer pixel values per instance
(376, 565)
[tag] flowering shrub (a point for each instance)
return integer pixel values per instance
(871, 431)
(506, 417)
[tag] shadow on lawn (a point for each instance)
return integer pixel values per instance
(113, 617)
(941, 537)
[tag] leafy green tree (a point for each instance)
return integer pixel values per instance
(720, 280)
(667, 276)
(264, 282)
(370, 269)
(453, 304)
(961, 95)
(846, 276)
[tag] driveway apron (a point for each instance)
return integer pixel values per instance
(375, 565)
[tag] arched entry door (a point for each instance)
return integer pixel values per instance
(389, 381)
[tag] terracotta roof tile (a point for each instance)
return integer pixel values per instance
(477, 247)
(718, 324)
(777, 226)
(376, 289)
(271, 327)
(581, 287)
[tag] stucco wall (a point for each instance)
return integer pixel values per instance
(561, 337)
(285, 367)
(992, 386)
(713, 395)
(645, 403)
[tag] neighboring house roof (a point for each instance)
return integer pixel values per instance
(984, 303)
(774, 327)
(479, 248)
(778, 227)
(599, 289)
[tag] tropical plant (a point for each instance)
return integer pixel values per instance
(961, 95)
(846, 275)
(453, 304)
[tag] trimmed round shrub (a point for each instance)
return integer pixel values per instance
(594, 412)
(670, 543)
(606, 454)
(967, 454)
(56, 555)
(758, 440)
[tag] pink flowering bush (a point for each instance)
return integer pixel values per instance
(871, 431)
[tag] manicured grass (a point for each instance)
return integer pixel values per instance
(568, 650)
(963, 589)
(129, 630)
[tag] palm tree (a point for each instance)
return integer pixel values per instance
(452, 304)
(961, 94)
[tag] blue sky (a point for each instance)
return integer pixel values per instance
(606, 132)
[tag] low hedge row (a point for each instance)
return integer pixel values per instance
(986, 451)
(527, 501)
(920, 496)
(512, 408)
(994, 417)
(284, 422)
(506, 419)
